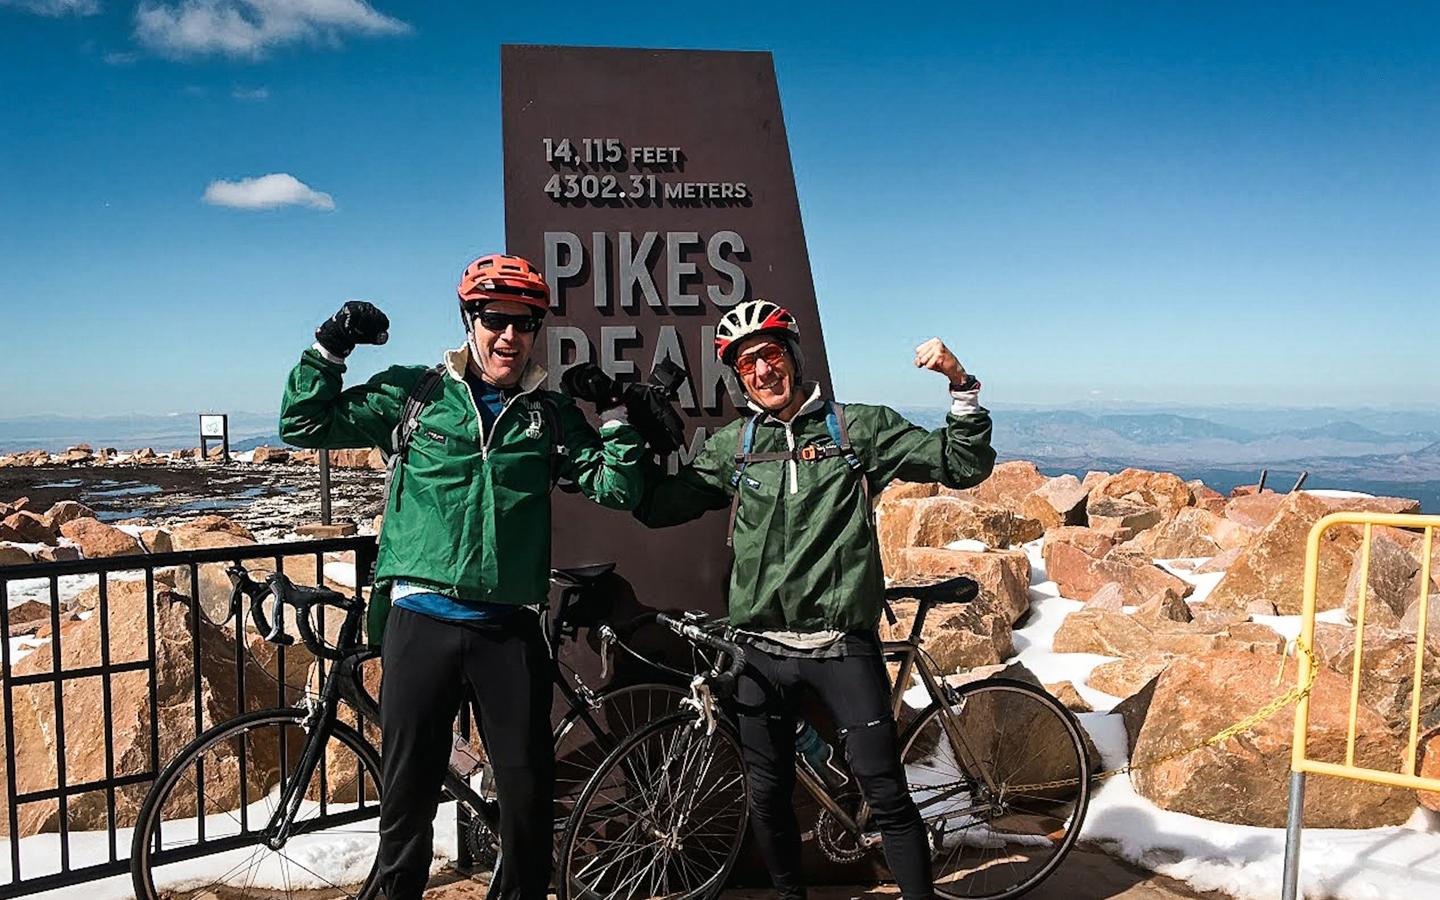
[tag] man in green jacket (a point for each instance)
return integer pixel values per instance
(465, 552)
(807, 588)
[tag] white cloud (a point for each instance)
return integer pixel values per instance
(266, 192)
(251, 94)
(120, 59)
(248, 28)
(55, 7)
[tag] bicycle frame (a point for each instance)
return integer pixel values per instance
(912, 661)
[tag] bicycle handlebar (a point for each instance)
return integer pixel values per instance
(282, 592)
(723, 683)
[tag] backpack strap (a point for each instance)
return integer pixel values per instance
(404, 430)
(835, 422)
(839, 434)
(744, 444)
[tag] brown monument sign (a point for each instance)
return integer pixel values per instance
(655, 187)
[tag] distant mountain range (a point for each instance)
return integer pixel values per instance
(124, 432)
(1375, 444)
(1342, 447)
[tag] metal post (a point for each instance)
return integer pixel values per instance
(1290, 889)
(1260, 487)
(324, 487)
(1299, 481)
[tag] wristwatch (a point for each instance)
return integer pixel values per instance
(969, 384)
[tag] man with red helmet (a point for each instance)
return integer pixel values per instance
(475, 447)
(806, 588)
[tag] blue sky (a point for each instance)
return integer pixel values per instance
(1158, 202)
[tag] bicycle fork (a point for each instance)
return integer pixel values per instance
(318, 722)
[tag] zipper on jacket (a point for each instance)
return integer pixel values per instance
(790, 444)
(480, 420)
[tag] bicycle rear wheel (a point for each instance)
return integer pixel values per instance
(663, 816)
(201, 831)
(1005, 804)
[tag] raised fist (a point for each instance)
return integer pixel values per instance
(357, 322)
(935, 356)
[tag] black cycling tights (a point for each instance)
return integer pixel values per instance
(428, 665)
(856, 691)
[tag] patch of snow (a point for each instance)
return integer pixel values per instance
(968, 544)
(21, 647)
(1337, 494)
(340, 573)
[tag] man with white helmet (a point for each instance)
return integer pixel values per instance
(476, 445)
(807, 588)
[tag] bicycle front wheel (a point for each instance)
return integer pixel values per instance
(1002, 793)
(580, 748)
(662, 817)
(202, 831)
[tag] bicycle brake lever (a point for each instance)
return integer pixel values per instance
(277, 619)
(607, 638)
(703, 702)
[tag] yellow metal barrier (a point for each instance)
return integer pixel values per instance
(1300, 765)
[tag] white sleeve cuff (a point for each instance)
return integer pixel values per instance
(337, 360)
(965, 403)
(616, 416)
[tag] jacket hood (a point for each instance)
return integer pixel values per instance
(457, 362)
(813, 401)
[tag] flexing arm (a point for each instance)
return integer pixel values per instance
(316, 412)
(958, 455)
(606, 466)
(698, 488)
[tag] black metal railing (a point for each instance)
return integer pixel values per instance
(181, 578)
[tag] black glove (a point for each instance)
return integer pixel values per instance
(589, 382)
(357, 322)
(651, 412)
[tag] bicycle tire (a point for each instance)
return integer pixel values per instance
(1015, 734)
(164, 868)
(578, 752)
(671, 779)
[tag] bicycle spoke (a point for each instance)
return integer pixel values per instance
(259, 869)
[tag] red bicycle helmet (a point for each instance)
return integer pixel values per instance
(500, 277)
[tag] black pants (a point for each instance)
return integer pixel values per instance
(856, 691)
(428, 664)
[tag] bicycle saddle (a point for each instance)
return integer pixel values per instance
(580, 576)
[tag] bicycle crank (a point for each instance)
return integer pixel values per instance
(840, 844)
(483, 843)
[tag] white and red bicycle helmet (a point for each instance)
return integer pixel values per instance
(751, 318)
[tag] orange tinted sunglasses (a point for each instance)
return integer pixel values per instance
(771, 353)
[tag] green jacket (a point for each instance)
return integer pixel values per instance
(806, 554)
(470, 512)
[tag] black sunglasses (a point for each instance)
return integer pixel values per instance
(496, 322)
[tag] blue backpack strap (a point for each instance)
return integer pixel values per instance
(744, 446)
(835, 422)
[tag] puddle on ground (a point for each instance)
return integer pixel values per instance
(135, 491)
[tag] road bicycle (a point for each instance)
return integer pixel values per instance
(283, 801)
(999, 769)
